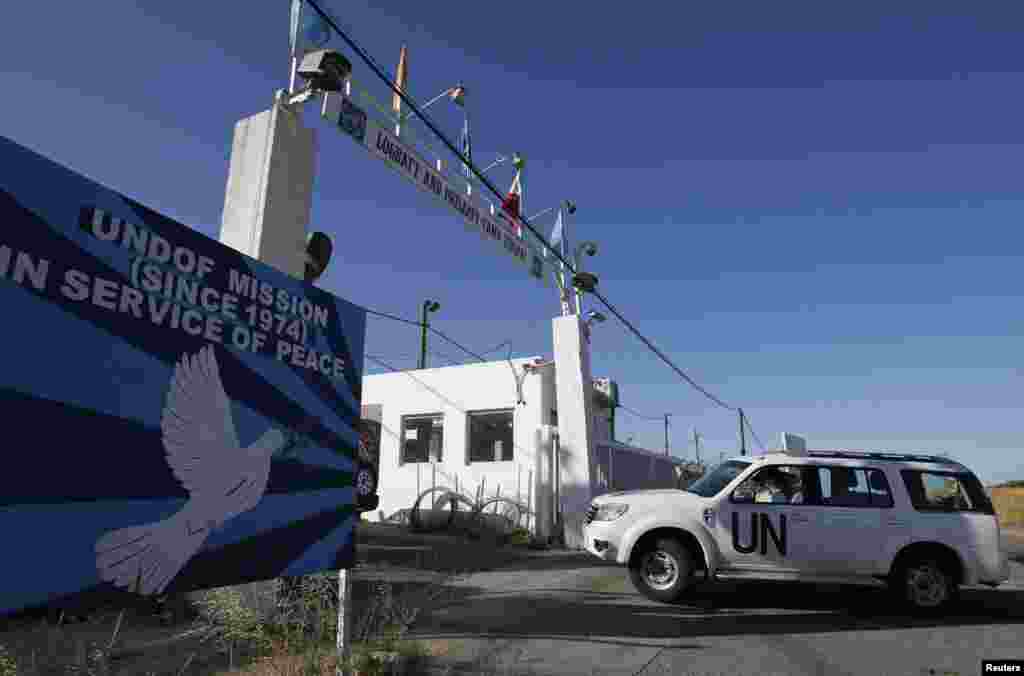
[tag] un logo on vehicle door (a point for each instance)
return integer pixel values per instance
(761, 529)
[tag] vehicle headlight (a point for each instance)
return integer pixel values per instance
(610, 511)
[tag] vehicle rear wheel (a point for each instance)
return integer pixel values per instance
(925, 585)
(662, 570)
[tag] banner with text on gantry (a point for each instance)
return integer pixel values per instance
(496, 226)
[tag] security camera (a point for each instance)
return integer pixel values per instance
(595, 316)
(431, 305)
(325, 70)
(585, 281)
(318, 254)
(589, 248)
(570, 206)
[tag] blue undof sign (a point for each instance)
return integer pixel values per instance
(176, 415)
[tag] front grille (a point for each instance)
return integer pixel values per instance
(591, 513)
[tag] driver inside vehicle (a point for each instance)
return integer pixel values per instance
(778, 487)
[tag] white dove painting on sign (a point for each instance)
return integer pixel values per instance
(223, 480)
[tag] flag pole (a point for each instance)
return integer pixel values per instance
(467, 151)
(565, 282)
(401, 79)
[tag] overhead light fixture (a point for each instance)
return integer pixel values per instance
(324, 70)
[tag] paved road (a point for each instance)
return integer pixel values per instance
(568, 616)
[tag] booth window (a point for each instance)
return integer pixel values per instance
(422, 438)
(490, 436)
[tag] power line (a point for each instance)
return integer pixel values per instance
(754, 434)
(507, 343)
(660, 354)
(398, 91)
(392, 317)
(457, 344)
(439, 333)
(640, 415)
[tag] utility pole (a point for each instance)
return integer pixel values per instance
(743, 434)
(666, 433)
(696, 443)
(427, 307)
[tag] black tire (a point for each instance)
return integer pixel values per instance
(662, 570)
(924, 585)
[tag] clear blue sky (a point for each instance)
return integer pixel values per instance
(814, 210)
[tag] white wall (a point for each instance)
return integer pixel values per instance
(453, 391)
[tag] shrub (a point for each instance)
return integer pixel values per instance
(8, 666)
(231, 622)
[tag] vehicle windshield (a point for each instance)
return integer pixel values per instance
(714, 481)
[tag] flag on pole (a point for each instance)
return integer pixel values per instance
(401, 79)
(558, 239)
(309, 31)
(458, 95)
(513, 203)
(467, 148)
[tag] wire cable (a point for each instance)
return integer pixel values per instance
(507, 343)
(398, 91)
(465, 349)
(439, 333)
(392, 317)
(750, 427)
(640, 415)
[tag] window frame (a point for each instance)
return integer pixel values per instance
(964, 479)
(820, 500)
(469, 434)
(809, 495)
(401, 448)
(699, 482)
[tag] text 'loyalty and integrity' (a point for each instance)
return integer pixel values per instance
(386, 146)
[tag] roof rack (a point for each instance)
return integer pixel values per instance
(884, 455)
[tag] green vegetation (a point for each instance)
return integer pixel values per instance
(8, 667)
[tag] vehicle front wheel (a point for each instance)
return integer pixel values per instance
(662, 570)
(925, 585)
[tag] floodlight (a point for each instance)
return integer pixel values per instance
(589, 248)
(325, 70)
(585, 281)
(570, 206)
(318, 254)
(595, 316)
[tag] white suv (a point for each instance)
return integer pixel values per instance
(924, 525)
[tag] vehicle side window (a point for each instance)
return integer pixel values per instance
(881, 495)
(942, 492)
(853, 487)
(776, 484)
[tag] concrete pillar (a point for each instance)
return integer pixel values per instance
(544, 500)
(573, 386)
(269, 192)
